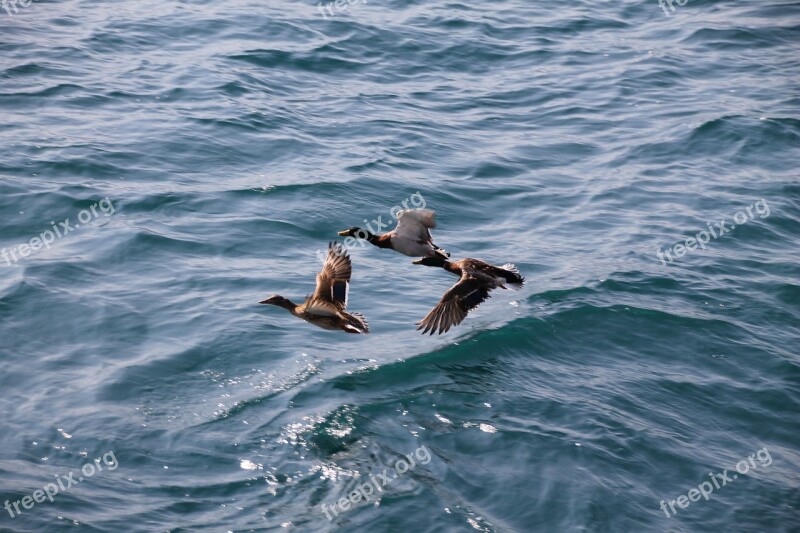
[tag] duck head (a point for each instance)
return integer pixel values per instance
(356, 232)
(278, 300)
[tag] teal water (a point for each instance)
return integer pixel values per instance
(222, 144)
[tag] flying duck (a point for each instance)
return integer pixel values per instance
(411, 237)
(326, 308)
(477, 279)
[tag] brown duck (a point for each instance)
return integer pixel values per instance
(327, 307)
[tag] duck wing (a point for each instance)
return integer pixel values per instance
(415, 224)
(333, 283)
(454, 306)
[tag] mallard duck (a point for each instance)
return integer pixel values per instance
(477, 279)
(326, 308)
(411, 237)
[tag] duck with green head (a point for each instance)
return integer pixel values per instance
(477, 278)
(411, 237)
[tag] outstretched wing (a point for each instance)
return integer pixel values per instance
(415, 224)
(454, 306)
(333, 283)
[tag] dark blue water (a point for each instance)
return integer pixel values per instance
(207, 150)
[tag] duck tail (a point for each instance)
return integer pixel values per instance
(357, 324)
(444, 254)
(513, 278)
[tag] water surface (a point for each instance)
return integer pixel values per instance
(232, 140)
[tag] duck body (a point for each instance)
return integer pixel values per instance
(411, 237)
(327, 307)
(489, 276)
(349, 322)
(476, 279)
(322, 318)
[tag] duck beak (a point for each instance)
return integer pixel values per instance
(417, 262)
(344, 233)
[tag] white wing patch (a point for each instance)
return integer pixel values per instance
(510, 268)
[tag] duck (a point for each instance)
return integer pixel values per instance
(327, 307)
(411, 237)
(477, 279)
